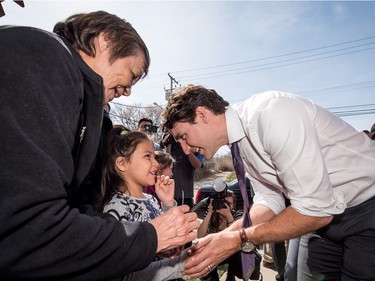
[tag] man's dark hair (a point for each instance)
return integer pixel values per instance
(123, 40)
(145, 120)
(184, 101)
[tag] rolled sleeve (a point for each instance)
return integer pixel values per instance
(268, 196)
(291, 138)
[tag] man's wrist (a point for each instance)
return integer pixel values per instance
(238, 241)
(246, 245)
(169, 205)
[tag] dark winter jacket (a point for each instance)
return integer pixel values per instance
(50, 101)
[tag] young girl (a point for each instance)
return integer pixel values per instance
(129, 165)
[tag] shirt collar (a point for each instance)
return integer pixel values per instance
(234, 125)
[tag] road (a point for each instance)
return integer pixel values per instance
(267, 273)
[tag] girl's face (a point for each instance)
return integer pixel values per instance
(141, 168)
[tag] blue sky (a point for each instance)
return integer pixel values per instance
(324, 51)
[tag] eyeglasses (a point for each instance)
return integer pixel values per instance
(121, 90)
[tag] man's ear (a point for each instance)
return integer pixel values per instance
(202, 114)
(121, 163)
(102, 42)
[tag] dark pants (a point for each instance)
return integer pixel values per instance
(279, 258)
(346, 248)
(190, 203)
(187, 201)
(234, 268)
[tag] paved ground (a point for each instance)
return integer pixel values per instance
(267, 274)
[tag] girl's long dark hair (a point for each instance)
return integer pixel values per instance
(120, 143)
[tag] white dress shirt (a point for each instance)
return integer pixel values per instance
(290, 145)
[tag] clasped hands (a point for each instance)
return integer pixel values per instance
(176, 227)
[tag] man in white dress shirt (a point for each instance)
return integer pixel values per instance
(289, 145)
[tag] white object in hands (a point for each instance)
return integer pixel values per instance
(219, 185)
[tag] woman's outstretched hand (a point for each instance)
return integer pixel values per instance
(175, 227)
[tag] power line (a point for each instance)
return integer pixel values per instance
(278, 56)
(351, 106)
(261, 68)
(354, 112)
(337, 87)
(134, 106)
(151, 84)
(341, 111)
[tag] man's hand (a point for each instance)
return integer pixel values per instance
(175, 227)
(210, 251)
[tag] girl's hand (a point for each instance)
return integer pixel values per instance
(164, 188)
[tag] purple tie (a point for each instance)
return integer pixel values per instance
(247, 259)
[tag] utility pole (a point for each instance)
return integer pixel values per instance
(168, 92)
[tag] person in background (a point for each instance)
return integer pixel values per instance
(371, 133)
(120, 126)
(219, 218)
(279, 255)
(274, 257)
(187, 162)
(129, 165)
(216, 219)
(290, 146)
(146, 126)
(165, 167)
(54, 87)
(275, 254)
(296, 268)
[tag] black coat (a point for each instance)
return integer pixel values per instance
(48, 95)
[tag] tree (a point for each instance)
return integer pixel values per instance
(128, 115)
